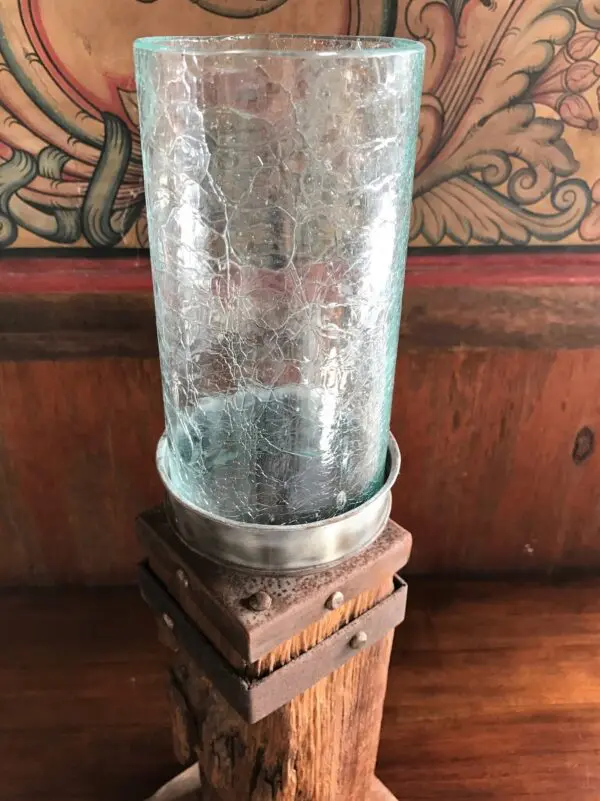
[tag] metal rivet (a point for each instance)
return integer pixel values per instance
(335, 601)
(182, 578)
(168, 621)
(359, 640)
(260, 601)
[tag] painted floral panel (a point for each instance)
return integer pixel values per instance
(509, 128)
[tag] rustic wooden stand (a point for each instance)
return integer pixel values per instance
(277, 683)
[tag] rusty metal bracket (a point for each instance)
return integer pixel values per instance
(220, 599)
(254, 699)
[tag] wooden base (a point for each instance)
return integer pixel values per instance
(379, 792)
(186, 787)
(183, 787)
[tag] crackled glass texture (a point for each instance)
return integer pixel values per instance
(278, 175)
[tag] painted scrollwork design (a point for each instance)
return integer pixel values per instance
(508, 131)
(70, 161)
(508, 82)
(69, 172)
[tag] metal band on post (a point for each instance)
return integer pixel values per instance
(254, 699)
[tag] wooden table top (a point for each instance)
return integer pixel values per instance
(494, 694)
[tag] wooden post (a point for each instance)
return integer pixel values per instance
(321, 744)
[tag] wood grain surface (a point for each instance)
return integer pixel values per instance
(322, 745)
(495, 409)
(186, 787)
(500, 466)
(77, 442)
(76, 326)
(494, 693)
(59, 325)
(526, 317)
(85, 272)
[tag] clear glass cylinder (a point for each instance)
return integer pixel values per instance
(278, 174)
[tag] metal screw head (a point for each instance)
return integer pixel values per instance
(335, 601)
(359, 640)
(182, 578)
(168, 621)
(260, 601)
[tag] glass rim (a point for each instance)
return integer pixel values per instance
(372, 46)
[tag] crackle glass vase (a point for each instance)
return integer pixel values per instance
(278, 174)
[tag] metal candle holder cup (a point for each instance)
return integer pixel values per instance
(280, 549)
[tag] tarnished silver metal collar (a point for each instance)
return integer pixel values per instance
(280, 549)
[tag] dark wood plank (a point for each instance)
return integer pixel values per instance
(68, 326)
(488, 479)
(504, 316)
(83, 712)
(494, 693)
(493, 266)
(92, 325)
(73, 271)
(76, 466)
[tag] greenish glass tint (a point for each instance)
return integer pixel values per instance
(278, 174)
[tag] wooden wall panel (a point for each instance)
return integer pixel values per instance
(77, 443)
(488, 480)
